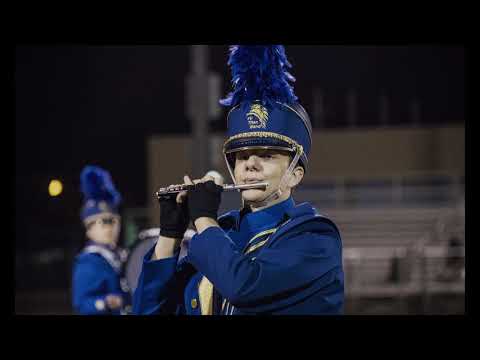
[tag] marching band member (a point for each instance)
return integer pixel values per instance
(98, 287)
(272, 256)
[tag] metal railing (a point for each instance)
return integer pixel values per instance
(375, 191)
(394, 274)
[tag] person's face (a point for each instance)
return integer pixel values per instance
(104, 228)
(260, 165)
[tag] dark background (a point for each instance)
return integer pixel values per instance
(79, 104)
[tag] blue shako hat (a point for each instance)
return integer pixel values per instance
(99, 192)
(265, 113)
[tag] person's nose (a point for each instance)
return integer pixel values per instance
(253, 163)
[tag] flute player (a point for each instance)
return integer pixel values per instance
(270, 257)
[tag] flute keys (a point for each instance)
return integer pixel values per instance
(175, 188)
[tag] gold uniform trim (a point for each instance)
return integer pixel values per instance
(261, 243)
(205, 296)
(256, 246)
(265, 232)
(263, 134)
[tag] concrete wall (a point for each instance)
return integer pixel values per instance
(386, 152)
(367, 153)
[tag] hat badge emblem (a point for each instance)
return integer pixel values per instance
(257, 117)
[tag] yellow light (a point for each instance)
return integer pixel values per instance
(55, 188)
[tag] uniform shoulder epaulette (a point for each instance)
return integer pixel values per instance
(302, 210)
(305, 212)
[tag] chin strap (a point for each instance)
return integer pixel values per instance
(277, 193)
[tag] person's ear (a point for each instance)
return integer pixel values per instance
(88, 233)
(296, 177)
(90, 230)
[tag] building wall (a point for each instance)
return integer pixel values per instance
(386, 152)
(365, 153)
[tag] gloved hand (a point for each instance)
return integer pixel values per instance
(174, 217)
(204, 200)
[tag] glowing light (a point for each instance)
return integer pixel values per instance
(55, 187)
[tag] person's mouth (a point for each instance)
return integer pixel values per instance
(252, 181)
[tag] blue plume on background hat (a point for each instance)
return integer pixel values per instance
(265, 111)
(99, 192)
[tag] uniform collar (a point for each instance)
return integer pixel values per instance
(105, 246)
(268, 217)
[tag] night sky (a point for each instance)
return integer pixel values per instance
(78, 105)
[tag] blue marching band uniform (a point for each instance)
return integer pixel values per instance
(285, 259)
(98, 269)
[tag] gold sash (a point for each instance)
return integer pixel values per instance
(205, 295)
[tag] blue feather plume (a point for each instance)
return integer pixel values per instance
(96, 184)
(259, 73)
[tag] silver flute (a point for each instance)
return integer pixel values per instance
(227, 187)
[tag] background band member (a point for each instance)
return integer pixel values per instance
(98, 286)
